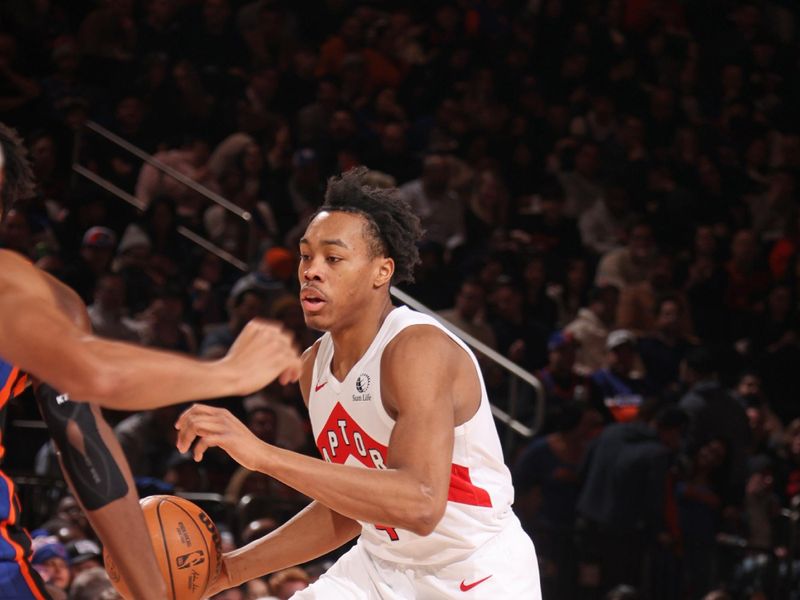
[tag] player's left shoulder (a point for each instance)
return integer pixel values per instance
(422, 342)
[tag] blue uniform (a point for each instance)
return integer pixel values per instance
(18, 580)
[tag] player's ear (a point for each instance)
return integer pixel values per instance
(385, 272)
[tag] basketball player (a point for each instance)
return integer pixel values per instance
(45, 334)
(412, 461)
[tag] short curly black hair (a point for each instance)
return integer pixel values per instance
(18, 181)
(392, 226)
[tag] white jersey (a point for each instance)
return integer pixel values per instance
(352, 427)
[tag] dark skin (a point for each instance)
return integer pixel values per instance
(345, 290)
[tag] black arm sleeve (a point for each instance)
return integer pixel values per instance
(95, 476)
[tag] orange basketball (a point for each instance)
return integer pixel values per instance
(186, 544)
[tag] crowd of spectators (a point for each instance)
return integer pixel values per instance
(609, 193)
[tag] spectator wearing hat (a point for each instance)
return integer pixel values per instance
(561, 382)
(84, 555)
(619, 383)
(51, 562)
(97, 250)
(274, 276)
(591, 327)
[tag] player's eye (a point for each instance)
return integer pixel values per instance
(333, 259)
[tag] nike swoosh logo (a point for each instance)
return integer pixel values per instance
(465, 587)
(320, 386)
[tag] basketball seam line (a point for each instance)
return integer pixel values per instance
(202, 537)
(166, 547)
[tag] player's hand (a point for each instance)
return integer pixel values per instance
(209, 426)
(222, 582)
(262, 352)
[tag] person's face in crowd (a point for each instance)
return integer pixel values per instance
(250, 306)
(252, 162)
(470, 301)
(621, 358)
(43, 156)
(168, 310)
(110, 293)
(749, 385)
(641, 243)
(507, 301)
(393, 140)
(562, 358)
(779, 302)
(85, 565)
(130, 113)
(743, 248)
(436, 174)
(263, 424)
(755, 419)
(661, 276)
(608, 306)
(352, 32)
(342, 126)
(587, 160)
(616, 200)
(304, 62)
(288, 588)
(340, 272)
(55, 571)
(633, 132)
(535, 274)
(265, 83)
(15, 232)
(711, 455)
(577, 275)
(668, 318)
(69, 510)
(662, 104)
(215, 14)
(705, 242)
(552, 208)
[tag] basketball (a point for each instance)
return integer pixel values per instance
(186, 544)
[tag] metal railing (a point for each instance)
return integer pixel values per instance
(514, 427)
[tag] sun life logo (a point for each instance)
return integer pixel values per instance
(362, 385)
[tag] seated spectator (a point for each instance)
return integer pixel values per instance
(146, 438)
(97, 250)
(714, 414)
(50, 561)
(603, 227)
(269, 416)
(243, 305)
(581, 184)
(664, 345)
(519, 338)
(538, 305)
(591, 327)
(83, 555)
(562, 383)
(284, 584)
(632, 263)
(747, 281)
(108, 312)
(469, 312)
(93, 584)
(622, 387)
(162, 325)
(570, 292)
(637, 303)
(438, 206)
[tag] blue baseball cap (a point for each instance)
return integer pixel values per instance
(561, 338)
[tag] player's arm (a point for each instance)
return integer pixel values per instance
(313, 532)
(411, 493)
(42, 340)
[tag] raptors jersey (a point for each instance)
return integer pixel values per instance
(352, 427)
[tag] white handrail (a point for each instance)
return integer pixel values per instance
(493, 355)
(187, 181)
